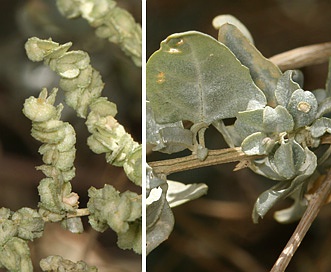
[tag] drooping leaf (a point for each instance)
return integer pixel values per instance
(179, 193)
(160, 231)
(296, 210)
(264, 73)
(284, 188)
(194, 77)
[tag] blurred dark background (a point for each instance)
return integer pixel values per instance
(216, 232)
(21, 78)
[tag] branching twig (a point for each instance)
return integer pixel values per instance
(303, 56)
(317, 201)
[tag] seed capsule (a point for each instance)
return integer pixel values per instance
(304, 107)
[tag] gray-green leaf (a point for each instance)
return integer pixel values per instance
(303, 107)
(179, 193)
(264, 73)
(194, 77)
(284, 188)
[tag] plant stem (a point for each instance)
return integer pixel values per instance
(317, 200)
(214, 157)
(303, 56)
(191, 162)
(79, 212)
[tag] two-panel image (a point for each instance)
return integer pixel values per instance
(165, 136)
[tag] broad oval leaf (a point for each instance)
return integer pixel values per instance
(196, 78)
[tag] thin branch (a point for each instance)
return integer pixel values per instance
(317, 200)
(191, 162)
(214, 157)
(303, 56)
(78, 213)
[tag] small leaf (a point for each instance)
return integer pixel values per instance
(256, 144)
(194, 77)
(74, 224)
(277, 120)
(249, 122)
(285, 88)
(288, 159)
(320, 127)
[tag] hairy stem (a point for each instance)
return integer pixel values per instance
(317, 201)
(191, 162)
(303, 56)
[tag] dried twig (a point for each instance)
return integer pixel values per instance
(303, 56)
(316, 202)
